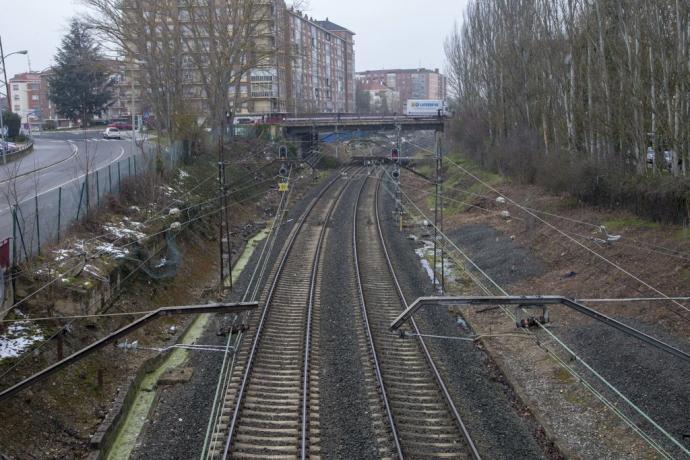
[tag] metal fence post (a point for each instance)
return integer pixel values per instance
(59, 212)
(14, 235)
(21, 233)
(86, 187)
(135, 166)
(98, 190)
(110, 177)
(129, 167)
(119, 178)
(38, 225)
(81, 197)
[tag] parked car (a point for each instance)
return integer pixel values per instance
(7, 146)
(111, 133)
(121, 125)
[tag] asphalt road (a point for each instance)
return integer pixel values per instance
(59, 159)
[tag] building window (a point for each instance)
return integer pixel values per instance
(15, 87)
(17, 108)
(34, 97)
(328, 37)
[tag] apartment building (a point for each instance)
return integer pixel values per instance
(409, 83)
(301, 65)
(28, 96)
(323, 63)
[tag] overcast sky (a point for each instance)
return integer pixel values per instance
(389, 33)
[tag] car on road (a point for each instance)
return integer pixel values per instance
(121, 126)
(111, 133)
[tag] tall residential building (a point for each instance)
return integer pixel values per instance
(303, 65)
(323, 66)
(26, 96)
(409, 83)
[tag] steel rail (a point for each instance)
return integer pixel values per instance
(257, 337)
(307, 334)
(370, 337)
(449, 400)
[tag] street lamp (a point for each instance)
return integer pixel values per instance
(7, 94)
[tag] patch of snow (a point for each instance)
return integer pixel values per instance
(112, 250)
(94, 271)
(174, 212)
(120, 232)
(182, 173)
(167, 190)
(17, 339)
(62, 254)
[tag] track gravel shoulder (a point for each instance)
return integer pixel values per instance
(501, 427)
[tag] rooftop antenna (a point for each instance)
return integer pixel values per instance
(28, 61)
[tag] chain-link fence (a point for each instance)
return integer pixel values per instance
(46, 217)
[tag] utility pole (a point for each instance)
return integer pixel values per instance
(228, 116)
(439, 181)
(436, 183)
(398, 201)
(221, 193)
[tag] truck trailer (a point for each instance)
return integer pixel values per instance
(425, 108)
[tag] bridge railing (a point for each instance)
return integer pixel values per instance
(342, 118)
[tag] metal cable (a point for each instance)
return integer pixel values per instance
(567, 349)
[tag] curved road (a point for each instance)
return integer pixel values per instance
(59, 159)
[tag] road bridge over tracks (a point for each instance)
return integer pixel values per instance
(307, 129)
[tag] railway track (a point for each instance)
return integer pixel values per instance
(272, 402)
(422, 419)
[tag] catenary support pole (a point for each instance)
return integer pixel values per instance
(59, 212)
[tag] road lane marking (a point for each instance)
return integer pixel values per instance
(75, 149)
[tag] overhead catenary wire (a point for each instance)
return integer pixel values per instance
(651, 247)
(588, 249)
(60, 330)
(573, 355)
(136, 241)
(229, 358)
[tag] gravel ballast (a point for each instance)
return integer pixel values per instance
(345, 415)
(177, 423)
(499, 425)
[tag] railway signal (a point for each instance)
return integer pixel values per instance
(282, 152)
(396, 174)
(283, 172)
(395, 157)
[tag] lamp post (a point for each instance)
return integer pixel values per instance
(7, 94)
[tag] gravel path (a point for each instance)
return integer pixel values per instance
(345, 415)
(501, 428)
